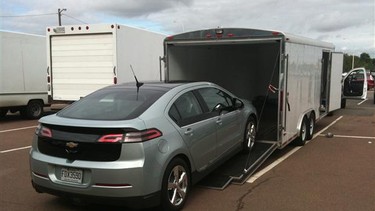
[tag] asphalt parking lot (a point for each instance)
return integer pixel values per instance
(335, 173)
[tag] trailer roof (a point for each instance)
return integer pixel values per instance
(245, 33)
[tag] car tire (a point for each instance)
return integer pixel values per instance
(301, 139)
(175, 185)
(310, 127)
(343, 103)
(33, 110)
(250, 134)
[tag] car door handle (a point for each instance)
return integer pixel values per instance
(188, 132)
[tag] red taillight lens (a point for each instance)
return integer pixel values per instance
(43, 131)
(142, 135)
(111, 138)
(114, 80)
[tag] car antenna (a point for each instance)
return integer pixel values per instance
(138, 84)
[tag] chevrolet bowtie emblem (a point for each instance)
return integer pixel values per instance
(71, 145)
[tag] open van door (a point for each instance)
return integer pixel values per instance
(355, 84)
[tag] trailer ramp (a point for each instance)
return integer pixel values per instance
(240, 167)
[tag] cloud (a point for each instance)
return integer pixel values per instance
(337, 21)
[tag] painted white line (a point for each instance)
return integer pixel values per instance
(271, 166)
(281, 159)
(361, 102)
(15, 149)
(16, 129)
(322, 130)
(357, 137)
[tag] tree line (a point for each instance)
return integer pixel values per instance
(364, 60)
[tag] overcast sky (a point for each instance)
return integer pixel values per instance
(348, 24)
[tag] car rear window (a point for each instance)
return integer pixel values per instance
(112, 104)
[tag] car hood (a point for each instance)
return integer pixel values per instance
(62, 121)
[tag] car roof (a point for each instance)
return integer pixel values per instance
(158, 85)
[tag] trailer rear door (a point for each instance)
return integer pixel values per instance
(335, 81)
(80, 64)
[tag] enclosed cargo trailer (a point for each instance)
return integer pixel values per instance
(23, 77)
(84, 58)
(292, 81)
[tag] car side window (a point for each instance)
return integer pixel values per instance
(186, 109)
(212, 97)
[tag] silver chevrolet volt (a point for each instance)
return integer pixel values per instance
(139, 145)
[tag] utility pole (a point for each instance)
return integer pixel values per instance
(59, 11)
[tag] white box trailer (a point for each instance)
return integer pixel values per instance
(23, 77)
(291, 80)
(84, 58)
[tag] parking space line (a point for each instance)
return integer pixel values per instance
(16, 129)
(281, 159)
(15, 149)
(361, 102)
(355, 137)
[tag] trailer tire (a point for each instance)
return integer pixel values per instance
(3, 112)
(301, 139)
(172, 186)
(33, 110)
(310, 126)
(250, 134)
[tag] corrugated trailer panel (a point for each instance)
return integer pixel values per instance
(81, 64)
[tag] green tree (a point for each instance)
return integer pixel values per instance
(364, 60)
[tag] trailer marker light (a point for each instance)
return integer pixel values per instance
(72, 28)
(230, 35)
(48, 79)
(48, 29)
(115, 80)
(170, 38)
(87, 27)
(112, 26)
(208, 35)
(79, 28)
(275, 33)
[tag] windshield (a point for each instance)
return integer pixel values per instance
(112, 104)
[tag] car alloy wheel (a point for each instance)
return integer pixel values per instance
(250, 134)
(176, 185)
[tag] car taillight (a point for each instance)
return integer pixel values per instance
(144, 135)
(111, 138)
(43, 131)
(131, 137)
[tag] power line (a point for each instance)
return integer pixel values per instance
(74, 18)
(20, 16)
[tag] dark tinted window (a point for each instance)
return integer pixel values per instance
(112, 104)
(186, 109)
(213, 97)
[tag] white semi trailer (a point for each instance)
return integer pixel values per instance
(23, 77)
(292, 81)
(84, 58)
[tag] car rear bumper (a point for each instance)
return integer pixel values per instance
(139, 202)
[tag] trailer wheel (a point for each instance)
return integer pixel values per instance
(175, 185)
(301, 139)
(310, 126)
(3, 112)
(250, 134)
(33, 110)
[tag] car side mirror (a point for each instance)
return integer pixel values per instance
(238, 103)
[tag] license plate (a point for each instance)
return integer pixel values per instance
(71, 175)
